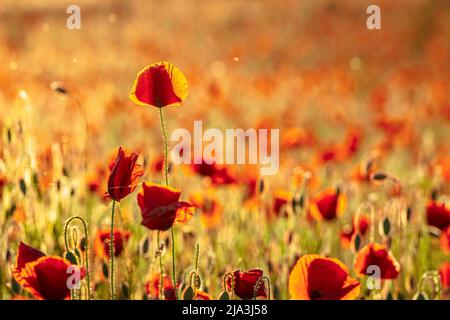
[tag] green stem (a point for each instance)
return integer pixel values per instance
(111, 252)
(166, 176)
(86, 249)
(161, 278)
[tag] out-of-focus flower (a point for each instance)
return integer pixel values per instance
(159, 85)
(374, 254)
(296, 137)
(201, 295)
(438, 215)
(124, 175)
(244, 283)
(152, 287)
(45, 277)
(161, 208)
(101, 244)
(211, 209)
(327, 204)
(444, 272)
(317, 278)
(357, 227)
(280, 197)
(218, 174)
(445, 240)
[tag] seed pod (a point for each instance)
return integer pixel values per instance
(224, 296)
(261, 185)
(357, 242)
(385, 227)
(188, 293)
(379, 176)
(105, 270)
(23, 186)
(69, 256)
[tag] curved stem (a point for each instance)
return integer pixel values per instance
(86, 249)
(111, 252)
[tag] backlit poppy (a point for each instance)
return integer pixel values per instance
(317, 278)
(327, 204)
(444, 271)
(374, 254)
(161, 208)
(101, 244)
(45, 277)
(445, 240)
(211, 209)
(438, 215)
(159, 85)
(152, 287)
(244, 283)
(124, 175)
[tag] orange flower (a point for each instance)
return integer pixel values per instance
(45, 277)
(101, 244)
(375, 254)
(159, 85)
(124, 175)
(152, 287)
(357, 227)
(211, 209)
(280, 199)
(244, 283)
(438, 215)
(445, 240)
(317, 278)
(327, 205)
(161, 208)
(444, 271)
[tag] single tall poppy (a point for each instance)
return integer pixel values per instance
(161, 208)
(124, 175)
(374, 254)
(318, 278)
(244, 283)
(159, 85)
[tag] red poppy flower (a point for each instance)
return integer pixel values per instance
(101, 244)
(445, 240)
(327, 205)
(201, 295)
(159, 85)
(357, 227)
(375, 254)
(244, 284)
(211, 209)
(45, 277)
(280, 199)
(317, 278)
(444, 271)
(219, 174)
(438, 215)
(161, 208)
(152, 287)
(124, 175)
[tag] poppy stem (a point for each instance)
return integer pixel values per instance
(85, 247)
(111, 252)
(166, 176)
(161, 278)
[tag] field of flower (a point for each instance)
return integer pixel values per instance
(360, 205)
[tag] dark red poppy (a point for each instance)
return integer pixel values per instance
(161, 208)
(244, 284)
(444, 272)
(101, 244)
(159, 85)
(152, 287)
(45, 277)
(219, 174)
(124, 175)
(374, 254)
(438, 215)
(317, 278)
(327, 205)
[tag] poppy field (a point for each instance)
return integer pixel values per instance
(353, 122)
